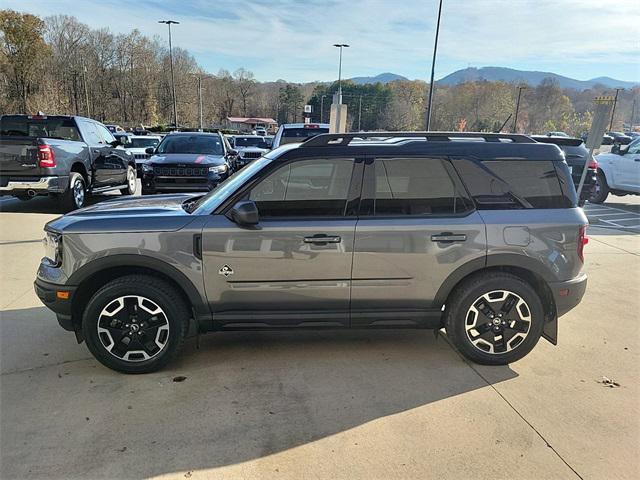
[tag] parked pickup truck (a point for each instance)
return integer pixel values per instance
(66, 157)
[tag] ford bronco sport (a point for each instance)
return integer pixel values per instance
(475, 233)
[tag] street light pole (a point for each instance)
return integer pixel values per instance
(200, 99)
(613, 111)
(433, 68)
(515, 120)
(340, 46)
(360, 114)
(173, 81)
(322, 106)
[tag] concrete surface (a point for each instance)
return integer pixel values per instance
(343, 405)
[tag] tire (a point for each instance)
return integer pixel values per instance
(518, 332)
(148, 311)
(75, 196)
(131, 182)
(600, 189)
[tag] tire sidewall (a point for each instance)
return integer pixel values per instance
(601, 195)
(457, 319)
(129, 190)
(109, 293)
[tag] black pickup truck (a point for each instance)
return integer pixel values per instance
(66, 157)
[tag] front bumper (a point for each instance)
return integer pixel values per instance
(39, 185)
(170, 183)
(48, 294)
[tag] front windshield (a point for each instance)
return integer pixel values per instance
(143, 142)
(197, 144)
(215, 197)
(251, 142)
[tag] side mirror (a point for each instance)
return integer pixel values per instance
(149, 150)
(233, 152)
(616, 149)
(245, 213)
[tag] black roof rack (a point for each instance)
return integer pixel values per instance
(344, 139)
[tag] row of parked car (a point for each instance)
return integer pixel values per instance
(70, 157)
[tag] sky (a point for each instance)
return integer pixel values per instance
(292, 39)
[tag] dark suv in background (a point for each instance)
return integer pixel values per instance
(477, 233)
(187, 162)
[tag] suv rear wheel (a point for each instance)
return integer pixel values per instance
(135, 324)
(495, 319)
(600, 189)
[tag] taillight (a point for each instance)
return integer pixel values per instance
(593, 164)
(46, 157)
(582, 241)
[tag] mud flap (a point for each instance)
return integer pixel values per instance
(550, 332)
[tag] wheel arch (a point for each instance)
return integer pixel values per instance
(80, 168)
(535, 276)
(97, 273)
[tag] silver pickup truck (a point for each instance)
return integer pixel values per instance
(66, 157)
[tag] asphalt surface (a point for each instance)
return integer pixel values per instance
(330, 404)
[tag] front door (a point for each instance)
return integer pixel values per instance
(416, 227)
(294, 268)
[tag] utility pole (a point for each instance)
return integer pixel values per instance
(613, 111)
(515, 120)
(200, 99)
(322, 106)
(86, 91)
(173, 81)
(75, 91)
(360, 114)
(433, 68)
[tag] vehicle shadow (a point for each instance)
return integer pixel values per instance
(239, 397)
(43, 204)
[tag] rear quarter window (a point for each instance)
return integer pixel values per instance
(508, 184)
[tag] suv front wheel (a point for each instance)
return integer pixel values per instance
(135, 324)
(495, 319)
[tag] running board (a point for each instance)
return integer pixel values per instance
(106, 189)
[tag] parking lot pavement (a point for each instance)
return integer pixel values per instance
(621, 213)
(344, 405)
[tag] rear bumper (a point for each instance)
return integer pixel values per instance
(568, 295)
(39, 185)
(47, 293)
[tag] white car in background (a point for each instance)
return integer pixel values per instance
(249, 148)
(618, 172)
(137, 146)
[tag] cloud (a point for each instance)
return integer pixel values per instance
(293, 39)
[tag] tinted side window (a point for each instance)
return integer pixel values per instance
(105, 134)
(507, 184)
(316, 188)
(413, 186)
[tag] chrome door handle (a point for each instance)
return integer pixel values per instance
(449, 237)
(323, 239)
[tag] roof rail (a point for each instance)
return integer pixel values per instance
(344, 139)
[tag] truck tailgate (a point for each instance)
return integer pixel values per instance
(19, 156)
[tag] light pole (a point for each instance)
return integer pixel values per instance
(322, 106)
(360, 114)
(173, 81)
(433, 68)
(340, 46)
(515, 120)
(613, 110)
(200, 99)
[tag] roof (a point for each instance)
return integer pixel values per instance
(303, 125)
(251, 120)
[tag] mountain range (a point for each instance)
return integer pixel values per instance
(493, 74)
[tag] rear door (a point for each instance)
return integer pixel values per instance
(416, 226)
(294, 268)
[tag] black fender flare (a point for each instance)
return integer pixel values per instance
(124, 260)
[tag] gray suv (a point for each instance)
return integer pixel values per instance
(479, 234)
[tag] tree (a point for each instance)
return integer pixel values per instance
(290, 101)
(23, 50)
(246, 86)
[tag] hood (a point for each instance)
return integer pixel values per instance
(186, 158)
(156, 213)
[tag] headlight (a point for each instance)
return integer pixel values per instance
(218, 169)
(53, 247)
(147, 168)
